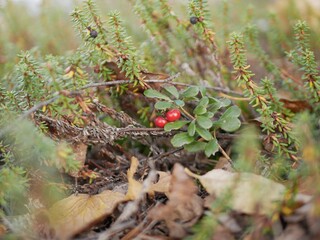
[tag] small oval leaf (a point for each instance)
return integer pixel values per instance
(172, 90)
(204, 122)
(204, 133)
(208, 114)
(175, 125)
(211, 148)
(179, 103)
(200, 110)
(195, 146)
(181, 139)
(230, 124)
(190, 92)
(233, 112)
(204, 102)
(151, 93)
(163, 105)
(192, 128)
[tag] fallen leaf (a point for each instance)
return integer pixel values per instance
(296, 106)
(184, 206)
(248, 192)
(77, 213)
(224, 164)
(163, 184)
(135, 187)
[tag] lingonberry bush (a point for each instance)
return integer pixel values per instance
(195, 87)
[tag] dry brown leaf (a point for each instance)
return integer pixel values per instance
(77, 213)
(224, 164)
(163, 184)
(249, 192)
(135, 187)
(184, 206)
(296, 106)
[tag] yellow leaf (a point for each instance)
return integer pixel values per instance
(249, 192)
(69, 74)
(162, 186)
(134, 187)
(77, 213)
(79, 70)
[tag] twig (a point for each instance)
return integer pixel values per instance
(218, 89)
(222, 151)
(97, 132)
(137, 129)
(92, 85)
(187, 114)
(40, 105)
(234, 98)
(162, 155)
(119, 82)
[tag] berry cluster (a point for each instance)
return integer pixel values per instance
(171, 116)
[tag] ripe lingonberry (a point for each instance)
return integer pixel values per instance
(194, 20)
(160, 122)
(173, 115)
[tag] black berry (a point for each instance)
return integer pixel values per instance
(93, 33)
(194, 20)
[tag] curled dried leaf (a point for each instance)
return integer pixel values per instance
(247, 192)
(76, 213)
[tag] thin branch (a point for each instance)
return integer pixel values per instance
(40, 105)
(218, 89)
(120, 82)
(167, 80)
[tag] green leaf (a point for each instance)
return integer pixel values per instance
(181, 139)
(172, 90)
(195, 146)
(229, 120)
(179, 103)
(225, 102)
(204, 122)
(233, 111)
(190, 92)
(204, 102)
(192, 128)
(163, 105)
(208, 114)
(230, 124)
(200, 110)
(175, 125)
(215, 104)
(151, 93)
(204, 133)
(211, 148)
(203, 91)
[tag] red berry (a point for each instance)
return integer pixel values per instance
(173, 115)
(160, 122)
